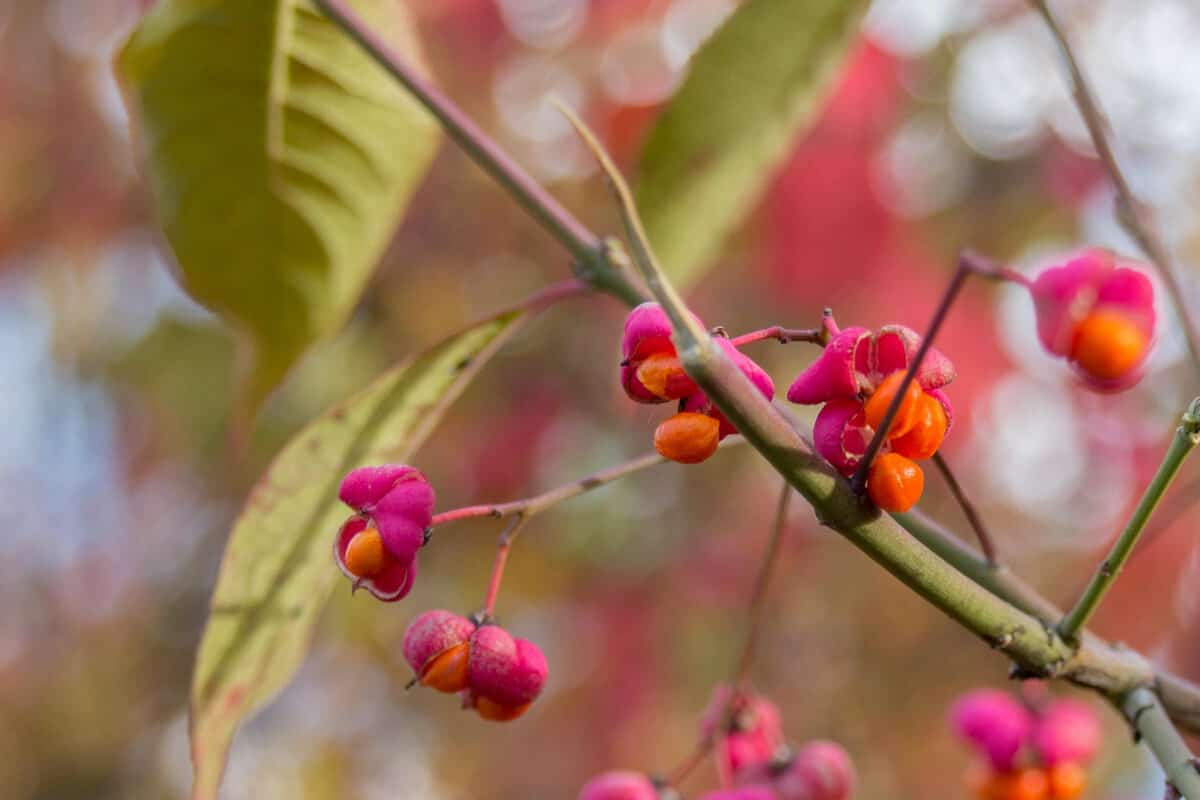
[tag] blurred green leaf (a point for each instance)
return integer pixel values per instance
(278, 570)
(755, 85)
(281, 157)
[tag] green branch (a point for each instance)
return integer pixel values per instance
(1187, 436)
(1146, 714)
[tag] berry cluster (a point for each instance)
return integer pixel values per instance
(1029, 751)
(651, 373)
(857, 377)
(1098, 315)
(496, 674)
(753, 761)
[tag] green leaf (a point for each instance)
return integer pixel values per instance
(278, 569)
(750, 90)
(280, 157)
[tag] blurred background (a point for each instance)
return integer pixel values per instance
(952, 126)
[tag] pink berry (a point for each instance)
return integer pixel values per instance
(648, 334)
(856, 360)
(1068, 730)
(504, 672)
(619, 785)
(995, 723)
(397, 500)
(819, 771)
(1098, 315)
(748, 730)
(431, 633)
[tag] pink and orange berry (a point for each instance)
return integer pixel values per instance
(753, 760)
(1027, 753)
(495, 673)
(856, 378)
(1098, 314)
(651, 373)
(377, 546)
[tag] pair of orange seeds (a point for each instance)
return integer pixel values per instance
(895, 482)
(1065, 781)
(448, 672)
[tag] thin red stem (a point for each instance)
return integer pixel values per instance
(781, 335)
(466, 512)
(502, 549)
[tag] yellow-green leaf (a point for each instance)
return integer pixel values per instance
(749, 91)
(280, 157)
(278, 569)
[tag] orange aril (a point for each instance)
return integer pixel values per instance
(447, 671)
(895, 483)
(906, 416)
(491, 710)
(927, 433)
(659, 372)
(687, 437)
(364, 554)
(1067, 781)
(1108, 344)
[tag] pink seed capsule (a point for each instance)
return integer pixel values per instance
(819, 771)
(1068, 731)
(504, 674)
(995, 723)
(436, 646)
(619, 785)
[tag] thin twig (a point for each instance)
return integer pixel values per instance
(677, 776)
(503, 546)
(1146, 714)
(758, 592)
(781, 335)
(1187, 436)
(986, 543)
(643, 255)
(538, 503)
(968, 263)
(591, 256)
(1137, 219)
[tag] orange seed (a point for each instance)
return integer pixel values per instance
(895, 483)
(491, 710)
(687, 437)
(906, 416)
(927, 432)
(447, 671)
(1108, 344)
(364, 555)
(658, 372)
(1067, 781)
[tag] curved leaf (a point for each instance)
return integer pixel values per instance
(278, 571)
(280, 157)
(750, 89)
